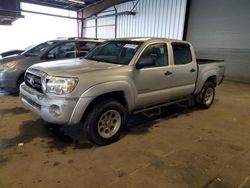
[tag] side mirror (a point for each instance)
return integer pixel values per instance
(145, 62)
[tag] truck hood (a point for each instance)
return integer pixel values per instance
(72, 67)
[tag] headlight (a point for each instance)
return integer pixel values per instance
(59, 85)
(8, 67)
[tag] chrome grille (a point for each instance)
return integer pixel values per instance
(34, 81)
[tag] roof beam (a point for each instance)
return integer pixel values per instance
(62, 4)
(99, 6)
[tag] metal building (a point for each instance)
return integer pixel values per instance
(147, 18)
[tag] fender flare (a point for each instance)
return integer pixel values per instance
(204, 77)
(112, 86)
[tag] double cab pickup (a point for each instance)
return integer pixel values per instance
(119, 77)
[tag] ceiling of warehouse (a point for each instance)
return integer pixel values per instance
(10, 10)
(63, 4)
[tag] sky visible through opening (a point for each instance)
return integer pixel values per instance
(34, 28)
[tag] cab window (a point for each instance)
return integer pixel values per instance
(85, 47)
(182, 54)
(158, 54)
(63, 51)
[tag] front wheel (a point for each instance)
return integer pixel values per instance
(105, 122)
(206, 97)
(19, 82)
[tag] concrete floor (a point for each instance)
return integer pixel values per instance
(183, 148)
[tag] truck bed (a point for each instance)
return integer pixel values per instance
(206, 67)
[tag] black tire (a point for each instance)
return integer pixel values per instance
(202, 100)
(19, 82)
(95, 122)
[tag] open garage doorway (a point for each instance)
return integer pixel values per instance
(34, 28)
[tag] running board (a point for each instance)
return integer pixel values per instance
(160, 105)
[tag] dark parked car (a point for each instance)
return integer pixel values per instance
(12, 68)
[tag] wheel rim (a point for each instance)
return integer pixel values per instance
(109, 123)
(209, 95)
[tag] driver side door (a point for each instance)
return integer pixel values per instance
(152, 82)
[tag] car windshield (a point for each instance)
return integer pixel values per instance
(37, 50)
(116, 52)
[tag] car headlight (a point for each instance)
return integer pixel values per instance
(8, 67)
(59, 85)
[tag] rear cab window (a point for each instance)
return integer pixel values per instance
(181, 53)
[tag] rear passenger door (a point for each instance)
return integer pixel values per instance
(184, 69)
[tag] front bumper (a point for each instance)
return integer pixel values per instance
(69, 110)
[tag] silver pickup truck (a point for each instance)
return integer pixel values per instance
(119, 77)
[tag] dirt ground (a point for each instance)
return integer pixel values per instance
(184, 147)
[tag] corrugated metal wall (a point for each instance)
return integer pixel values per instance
(89, 28)
(105, 26)
(154, 18)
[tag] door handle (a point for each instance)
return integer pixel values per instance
(192, 70)
(168, 73)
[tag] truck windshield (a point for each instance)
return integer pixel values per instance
(37, 50)
(116, 52)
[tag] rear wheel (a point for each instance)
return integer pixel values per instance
(105, 122)
(206, 97)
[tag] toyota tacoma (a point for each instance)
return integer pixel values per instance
(117, 78)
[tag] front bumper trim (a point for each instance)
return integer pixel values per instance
(40, 104)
